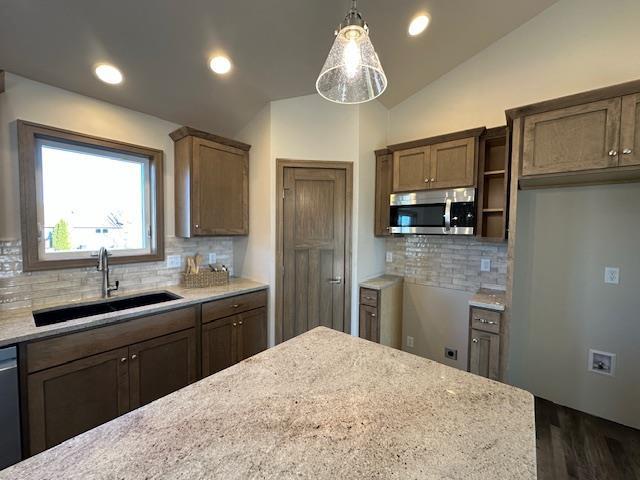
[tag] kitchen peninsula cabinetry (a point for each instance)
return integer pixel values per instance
(211, 184)
(81, 380)
(380, 318)
(588, 138)
(484, 343)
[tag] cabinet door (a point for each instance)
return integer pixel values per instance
(219, 345)
(384, 180)
(369, 323)
(630, 130)
(253, 333)
(571, 139)
(484, 354)
(411, 169)
(160, 366)
(220, 183)
(453, 164)
(70, 399)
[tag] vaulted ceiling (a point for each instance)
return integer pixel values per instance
(277, 48)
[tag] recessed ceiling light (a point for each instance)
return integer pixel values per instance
(220, 64)
(109, 74)
(418, 25)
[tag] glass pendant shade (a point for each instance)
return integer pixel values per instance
(352, 72)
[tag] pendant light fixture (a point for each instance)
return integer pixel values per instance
(352, 72)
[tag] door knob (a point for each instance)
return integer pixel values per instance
(335, 280)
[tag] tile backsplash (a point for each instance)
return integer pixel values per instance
(20, 289)
(448, 262)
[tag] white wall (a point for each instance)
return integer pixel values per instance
(573, 46)
(36, 102)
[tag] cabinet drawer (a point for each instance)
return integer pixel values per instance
(233, 305)
(485, 320)
(369, 297)
(65, 348)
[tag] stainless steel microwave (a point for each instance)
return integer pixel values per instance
(434, 212)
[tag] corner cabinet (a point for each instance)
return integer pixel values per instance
(211, 184)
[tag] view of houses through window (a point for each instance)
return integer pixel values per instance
(92, 198)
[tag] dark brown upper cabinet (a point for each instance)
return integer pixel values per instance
(442, 162)
(586, 138)
(384, 187)
(211, 184)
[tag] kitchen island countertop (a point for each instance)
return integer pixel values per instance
(323, 405)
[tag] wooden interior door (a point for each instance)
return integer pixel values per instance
(571, 139)
(411, 169)
(453, 164)
(75, 397)
(253, 333)
(220, 189)
(162, 365)
(630, 130)
(219, 344)
(314, 229)
(384, 186)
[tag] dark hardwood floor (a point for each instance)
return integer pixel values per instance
(575, 445)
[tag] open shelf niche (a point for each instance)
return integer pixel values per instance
(493, 184)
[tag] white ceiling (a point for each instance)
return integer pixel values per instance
(277, 48)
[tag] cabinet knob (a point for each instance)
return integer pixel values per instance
(123, 360)
(613, 153)
(627, 151)
(433, 179)
(240, 322)
(134, 356)
(235, 324)
(475, 340)
(373, 315)
(197, 226)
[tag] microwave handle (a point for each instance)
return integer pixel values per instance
(447, 215)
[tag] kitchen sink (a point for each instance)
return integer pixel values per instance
(50, 316)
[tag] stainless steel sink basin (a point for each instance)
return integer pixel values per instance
(62, 314)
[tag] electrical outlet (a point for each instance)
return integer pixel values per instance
(174, 261)
(389, 257)
(213, 258)
(485, 264)
(409, 341)
(612, 275)
(450, 353)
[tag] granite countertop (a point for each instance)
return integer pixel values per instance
(18, 325)
(381, 282)
(490, 299)
(323, 405)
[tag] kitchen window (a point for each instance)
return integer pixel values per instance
(80, 193)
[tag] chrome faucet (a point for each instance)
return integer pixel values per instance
(103, 266)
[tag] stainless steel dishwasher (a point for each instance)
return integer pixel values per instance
(10, 450)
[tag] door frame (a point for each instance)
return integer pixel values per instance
(281, 164)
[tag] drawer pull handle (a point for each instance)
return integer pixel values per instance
(369, 298)
(373, 315)
(235, 305)
(488, 322)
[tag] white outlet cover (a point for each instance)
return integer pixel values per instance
(612, 275)
(485, 264)
(607, 359)
(389, 257)
(213, 258)
(409, 341)
(174, 261)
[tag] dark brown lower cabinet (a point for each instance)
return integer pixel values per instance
(229, 340)
(484, 354)
(369, 323)
(160, 366)
(70, 399)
